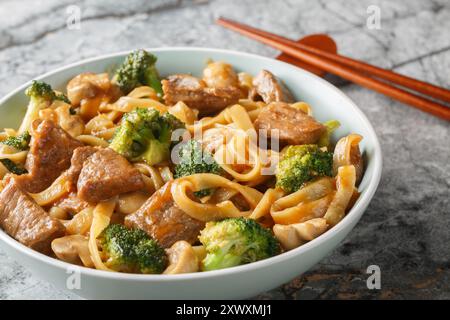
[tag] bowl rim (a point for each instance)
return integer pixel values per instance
(355, 213)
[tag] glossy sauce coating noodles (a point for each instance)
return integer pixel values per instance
(201, 173)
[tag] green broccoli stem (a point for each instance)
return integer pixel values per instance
(154, 81)
(13, 167)
(221, 259)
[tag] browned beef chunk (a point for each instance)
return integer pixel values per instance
(106, 174)
(270, 88)
(294, 126)
(195, 94)
(79, 156)
(163, 220)
(72, 204)
(50, 151)
(22, 218)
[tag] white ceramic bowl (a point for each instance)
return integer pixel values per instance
(238, 282)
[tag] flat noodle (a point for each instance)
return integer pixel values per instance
(183, 187)
(238, 115)
(207, 122)
(294, 235)
(80, 223)
(242, 148)
(312, 191)
(127, 104)
(263, 207)
(184, 113)
(59, 188)
(345, 183)
(303, 106)
(143, 92)
(99, 123)
(250, 105)
(154, 174)
(101, 218)
(113, 115)
(7, 152)
(342, 151)
(106, 134)
(303, 211)
(93, 141)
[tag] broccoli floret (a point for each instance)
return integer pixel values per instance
(131, 250)
(62, 97)
(300, 164)
(138, 69)
(39, 90)
(20, 142)
(331, 125)
(13, 167)
(41, 96)
(236, 241)
(195, 160)
(145, 135)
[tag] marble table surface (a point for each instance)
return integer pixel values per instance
(405, 230)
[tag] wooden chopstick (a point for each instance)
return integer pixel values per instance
(354, 74)
(408, 82)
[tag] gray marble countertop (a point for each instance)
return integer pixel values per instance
(405, 230)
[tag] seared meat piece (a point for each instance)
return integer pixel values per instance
(50, 151)
(163, 220)
(72, 204)
(195, 94)
(294, 126)
(23, 219)
(79, 156)
(270, 88)
(106, 174)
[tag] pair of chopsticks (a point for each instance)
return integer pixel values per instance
(355, 71)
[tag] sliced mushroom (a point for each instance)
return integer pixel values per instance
(294, 235)
(88, 90)
(270, 88)
(73, 124)
(130, 202)
(347, 152)
(219, 74)
(86, 86)
(73, 249)
(182, 258)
